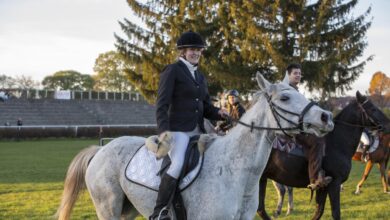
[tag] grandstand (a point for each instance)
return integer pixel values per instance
(38, 112)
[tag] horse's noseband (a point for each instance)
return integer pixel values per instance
(305, 110)
(277, 115)
(298, 126)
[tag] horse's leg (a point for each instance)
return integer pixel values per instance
(334, 197)
(280, 189)
(128, 210)
(320, 201)
(107, 198)
(262, 191)
(105, 190)
(248, 205)
(290, 200)
(367, 171)
(382, 169)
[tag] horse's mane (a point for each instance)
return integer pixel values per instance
(255, 98)
(345, 110)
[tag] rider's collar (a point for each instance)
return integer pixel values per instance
(191, 67)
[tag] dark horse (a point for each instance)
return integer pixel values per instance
(379, 156)
(341, 144)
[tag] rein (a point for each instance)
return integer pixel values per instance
(277, 115)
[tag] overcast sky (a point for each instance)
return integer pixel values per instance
(40, 37)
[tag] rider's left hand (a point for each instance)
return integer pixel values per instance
(223, 113)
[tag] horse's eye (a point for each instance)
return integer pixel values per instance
(284, 98)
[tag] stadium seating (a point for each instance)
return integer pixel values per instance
(76, 112)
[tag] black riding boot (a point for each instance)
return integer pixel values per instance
(365, 154)
(167, 188)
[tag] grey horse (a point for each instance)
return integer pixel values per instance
(227, 186)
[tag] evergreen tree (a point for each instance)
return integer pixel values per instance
(245, 36)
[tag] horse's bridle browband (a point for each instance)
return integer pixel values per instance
(277, 115)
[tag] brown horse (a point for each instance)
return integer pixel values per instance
(379, 156)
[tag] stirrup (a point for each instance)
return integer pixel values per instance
(164, 214)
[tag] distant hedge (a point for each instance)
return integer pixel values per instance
(30, 132)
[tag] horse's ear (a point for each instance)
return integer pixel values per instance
(263, 83)
(360, 98)
(286, 79)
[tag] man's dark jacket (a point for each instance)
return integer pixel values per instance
(182, 101)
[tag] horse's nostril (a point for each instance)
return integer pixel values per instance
(324, 117)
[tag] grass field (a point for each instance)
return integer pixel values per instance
(32, 173)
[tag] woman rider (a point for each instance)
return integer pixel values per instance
(234, 108)
(182, 103)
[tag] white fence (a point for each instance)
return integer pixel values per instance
(90, 95)
(93, 131)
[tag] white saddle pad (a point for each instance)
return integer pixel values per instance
(143, 168)
(373, 147)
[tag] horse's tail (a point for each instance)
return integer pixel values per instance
(75, 181)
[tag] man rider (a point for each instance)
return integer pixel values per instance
(314, 147)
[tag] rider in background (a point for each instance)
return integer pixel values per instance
(366, 141)
(182, 103)
(234, 108)
(313, 146)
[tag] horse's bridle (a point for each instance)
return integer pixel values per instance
(365, 117)
(274, 109)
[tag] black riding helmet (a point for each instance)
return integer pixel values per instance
(232, 92)
(190, 39)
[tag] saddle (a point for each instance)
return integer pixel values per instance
(374, 143)
(191, 158)
(151, 160)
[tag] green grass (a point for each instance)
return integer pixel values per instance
(31, 178)
(32, 174)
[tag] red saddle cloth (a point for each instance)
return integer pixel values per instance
(285, 144)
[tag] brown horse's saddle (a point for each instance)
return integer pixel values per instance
(287, 145)
(374, 145)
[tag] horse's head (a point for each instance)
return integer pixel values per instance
(372, 116)
(291, 109)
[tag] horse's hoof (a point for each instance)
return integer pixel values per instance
(276, 214)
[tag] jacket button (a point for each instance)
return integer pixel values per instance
(197, 99)
(196, 111)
